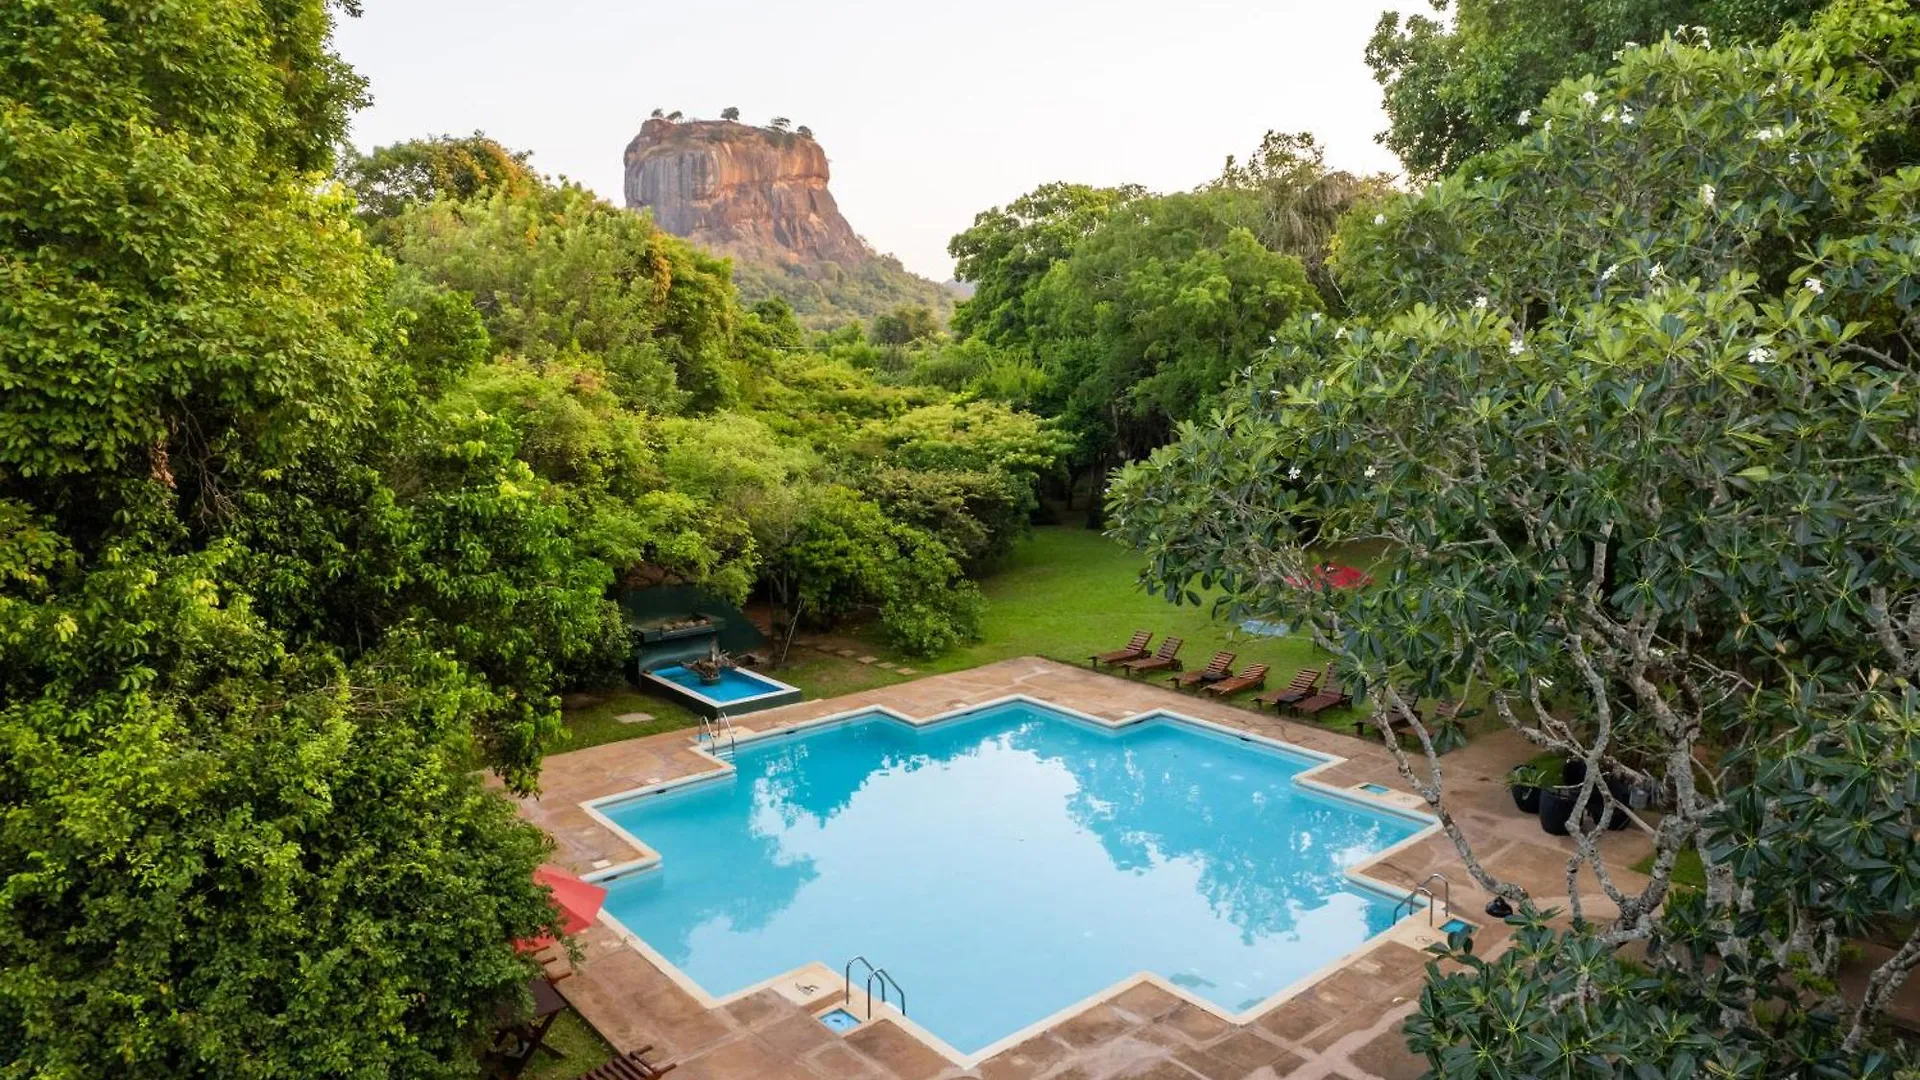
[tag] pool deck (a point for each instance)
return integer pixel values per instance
(1345, 1024)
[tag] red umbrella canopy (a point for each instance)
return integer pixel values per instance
(578, 902)
(1335, 576)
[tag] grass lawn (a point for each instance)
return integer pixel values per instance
(572, 1036)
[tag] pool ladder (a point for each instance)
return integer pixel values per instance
(1412, 899)
(886, 980)
(712, 727)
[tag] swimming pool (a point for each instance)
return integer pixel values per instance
(736, 691)
(1006, 864)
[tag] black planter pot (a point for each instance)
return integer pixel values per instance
(1526, 798)
(1556, 808)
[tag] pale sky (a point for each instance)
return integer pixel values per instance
(929, 113)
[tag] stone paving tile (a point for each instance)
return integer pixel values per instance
(1146, 1001)
(840, 1063)
(898, 1052)
(756, 1009)
(796, 1035)
(1025, 1060)
(1096, 1025)
(1195, 1023)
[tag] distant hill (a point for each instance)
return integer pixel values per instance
(760, 196)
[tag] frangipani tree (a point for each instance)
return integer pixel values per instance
(1633, 403)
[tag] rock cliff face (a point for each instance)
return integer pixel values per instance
(751, 192)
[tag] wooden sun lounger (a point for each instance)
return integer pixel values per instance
(630, 1066)
(1333, 697)
(1166, 659)
(1136, 648)
(1251, 677)
(1299, 689)
(1217, 668)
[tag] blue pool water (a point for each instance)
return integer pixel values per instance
(734, 684)
(1005, 865)
(840, 1020)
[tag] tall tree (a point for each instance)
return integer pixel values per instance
(1454, 91)
(228, 847)
(1006, 251)
(1632, 408)
(391, 178)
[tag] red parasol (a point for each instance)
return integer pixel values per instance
(1334, 576)
(577, 900)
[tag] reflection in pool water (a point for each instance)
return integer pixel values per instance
(1006, 865)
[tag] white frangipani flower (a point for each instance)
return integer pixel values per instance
(1607, 117)
(1707, 194)
(1769, 134)
(1548, 126)
(1759, 354)
(1480, 303)
(1372, 472)
(1517, 346)
(1626, 116)
(1379, 219)
(1607, 274)
(1659, 270)
(1526, 117)
(1590, 97)
(1293, 473)
(1815, 286)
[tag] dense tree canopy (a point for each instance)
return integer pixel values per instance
(391, 178)
(1454, 91)
(1633, 407)
(232, 844)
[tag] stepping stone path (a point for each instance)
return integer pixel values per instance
(634, 717)
(869, 659)
(906, 671)
(848, 653)
(888, 665)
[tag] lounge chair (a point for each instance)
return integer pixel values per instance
(1166, 659)
(1247, 679)
(630, 1066)
(1136, 648)
(1217, 668)
(1300, 689)
(1333, 696)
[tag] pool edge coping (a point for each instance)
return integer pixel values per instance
(1356, 874)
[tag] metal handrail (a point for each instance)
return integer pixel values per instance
(1410, 900)
(885, 979)
(1446, 893)
(711, 726)
(846, 977)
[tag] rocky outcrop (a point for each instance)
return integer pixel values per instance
(751, 192)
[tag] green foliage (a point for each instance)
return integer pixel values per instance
(903, 326)
(1455, 91)
(1633, 407)
(826, 295)
(1007, 251)
(845, 552)
(391, 178)
(240, 833)
(1149, 316)
(562, 273)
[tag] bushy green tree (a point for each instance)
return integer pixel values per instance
(231, 845)
(903, 325)
(564, 275)
(391, 178)
(1148, 317)
(1632, 408)
(1006, 252)
(1454, 90)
